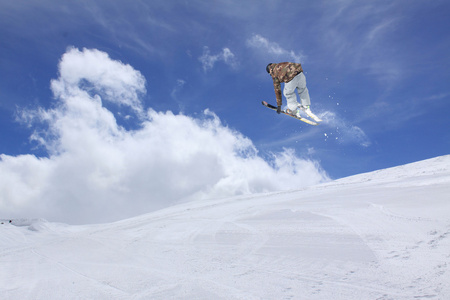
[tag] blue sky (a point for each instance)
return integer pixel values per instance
(377, 72)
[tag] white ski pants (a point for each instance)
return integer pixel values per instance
(299, 84)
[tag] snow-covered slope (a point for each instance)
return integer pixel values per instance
(380, 235)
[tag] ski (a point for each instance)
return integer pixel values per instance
(284, 112)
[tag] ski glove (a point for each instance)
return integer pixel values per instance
(278, 109)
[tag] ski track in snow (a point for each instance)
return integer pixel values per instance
(380, 235)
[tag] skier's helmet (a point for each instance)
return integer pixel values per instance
(268, 68)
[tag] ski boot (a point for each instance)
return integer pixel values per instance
(308, 111)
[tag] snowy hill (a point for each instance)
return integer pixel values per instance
(380, 235)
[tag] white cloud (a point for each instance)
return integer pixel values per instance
(440, 96)
(208, 61)
(98, 171)
(94, 71)
(273, 49)
(179, 85)
(360, 35)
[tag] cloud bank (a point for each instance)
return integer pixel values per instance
(98, 171)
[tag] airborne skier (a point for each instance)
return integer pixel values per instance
(292, 75)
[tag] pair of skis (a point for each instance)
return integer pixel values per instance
(308, 121)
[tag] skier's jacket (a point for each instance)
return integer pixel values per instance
(283, 72)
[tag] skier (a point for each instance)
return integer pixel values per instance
(292, 75)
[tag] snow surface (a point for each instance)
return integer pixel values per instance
(379, 235)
